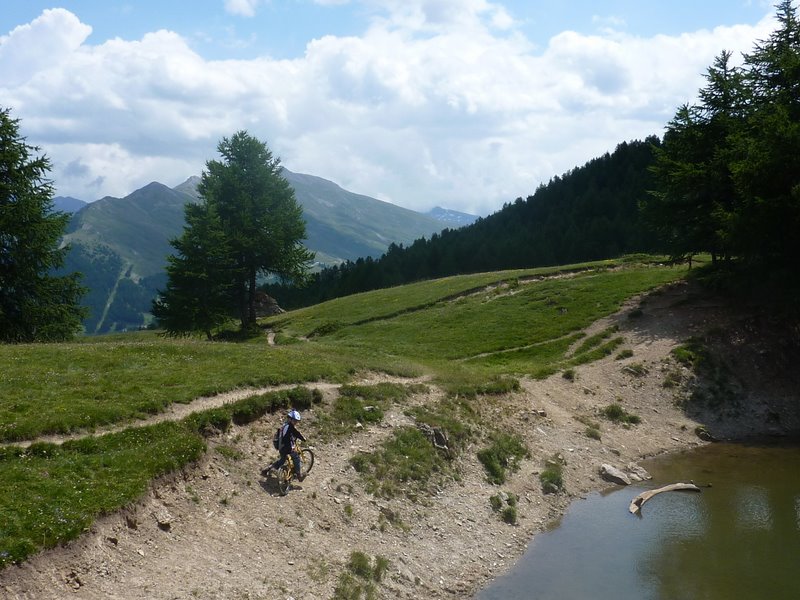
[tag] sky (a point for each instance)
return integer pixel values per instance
(464, 104)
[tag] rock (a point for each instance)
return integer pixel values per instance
(164, 519)
(637, 473)
(614, 475)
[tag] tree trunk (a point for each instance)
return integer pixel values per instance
(251, 298)
(638, 502)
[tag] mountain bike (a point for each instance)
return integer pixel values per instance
(285, 474)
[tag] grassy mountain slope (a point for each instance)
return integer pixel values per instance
(348, 226)
(121, 244)
(137, 227)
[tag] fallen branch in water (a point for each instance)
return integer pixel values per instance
(638, 502)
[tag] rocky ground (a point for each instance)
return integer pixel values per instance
(220, 530)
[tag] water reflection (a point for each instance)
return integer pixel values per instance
(737, 540)
(752, 510)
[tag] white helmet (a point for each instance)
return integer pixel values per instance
(294, 415)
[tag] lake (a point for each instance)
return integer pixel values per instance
(736, 540)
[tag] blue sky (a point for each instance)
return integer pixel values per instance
(466, 104)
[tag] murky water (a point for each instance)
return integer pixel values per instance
(737, 540)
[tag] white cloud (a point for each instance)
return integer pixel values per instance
(243, 8)
(42, 44)
(430, 105)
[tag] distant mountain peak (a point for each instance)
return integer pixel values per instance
(67, 204)
(450, 217)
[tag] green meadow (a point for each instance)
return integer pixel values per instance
(471, 334)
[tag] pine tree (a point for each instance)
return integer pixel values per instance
(200, 277)
(767, 172)
(35, 304)
(694, 205)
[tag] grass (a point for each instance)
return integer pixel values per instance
(474, 342)
(506, 505)
(406, 464)
(51, 494)
(718, 389)
(416, 297)
(543, 314)
(361, 405)
(502, 457)
(615, 413)
(359, 580)
(552, 477)
(63, 388)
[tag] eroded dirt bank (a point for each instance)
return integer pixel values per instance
(219, 530)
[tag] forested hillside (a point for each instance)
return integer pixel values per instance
(591, 212)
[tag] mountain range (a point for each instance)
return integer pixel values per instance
(121, 244)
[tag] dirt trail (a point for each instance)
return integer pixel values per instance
(219, 530)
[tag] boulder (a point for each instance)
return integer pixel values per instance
(614, 475)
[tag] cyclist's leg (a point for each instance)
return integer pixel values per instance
(279, 463)
(296, 459)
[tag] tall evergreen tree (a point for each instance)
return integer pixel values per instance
(767, 173)
(694, 204)
(248, 225)
(35, 304)
(200, 276)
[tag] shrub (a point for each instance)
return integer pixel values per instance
(359, 565)
(506, 505)
(357, 582)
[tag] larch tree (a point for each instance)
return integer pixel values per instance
(259, 228)
(35, 303)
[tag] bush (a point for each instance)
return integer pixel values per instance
(357, 582)
(506, 505)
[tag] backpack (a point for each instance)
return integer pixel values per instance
(276, 439)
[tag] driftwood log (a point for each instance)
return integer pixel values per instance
(638, 502)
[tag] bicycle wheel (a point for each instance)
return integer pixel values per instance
(306, 461)
(284, 475)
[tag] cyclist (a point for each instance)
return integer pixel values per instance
(288, 436)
